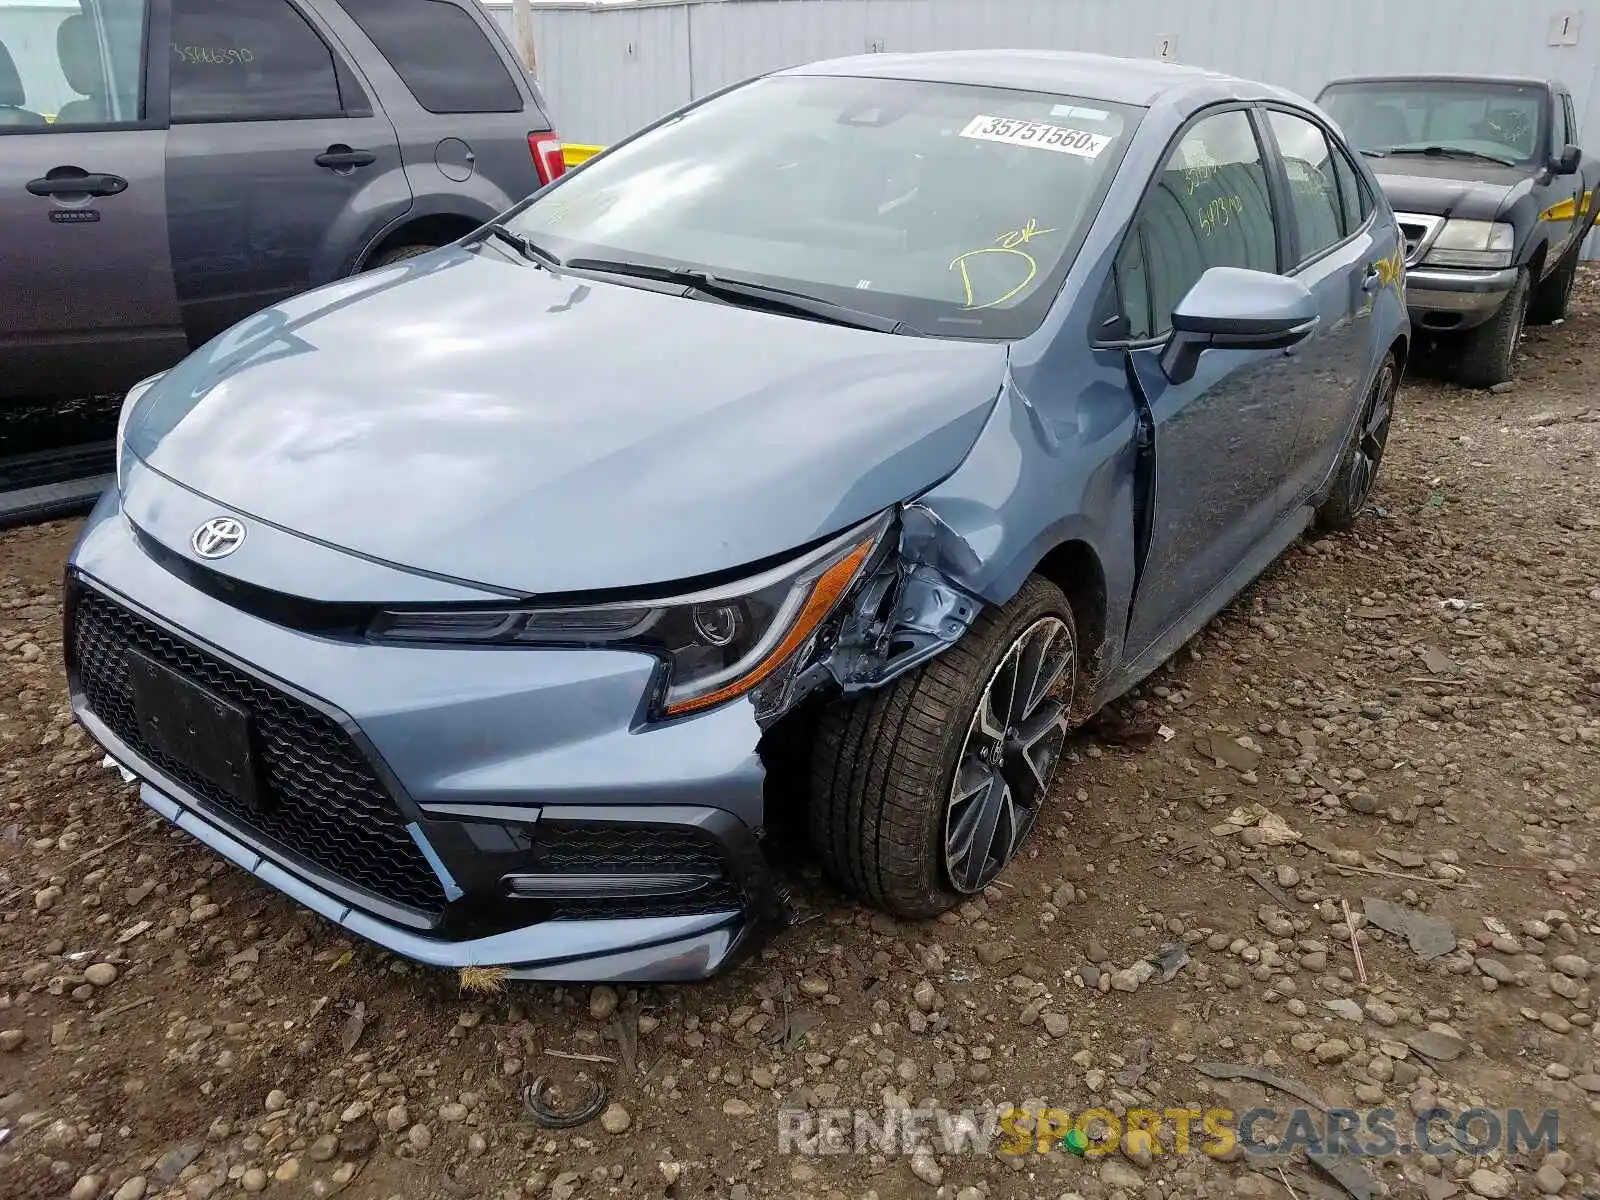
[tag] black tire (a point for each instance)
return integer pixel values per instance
(1551, 298)
(883, 768)
(399, 254)
(1363, 455)
(1488, 351)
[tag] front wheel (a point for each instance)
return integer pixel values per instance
(924, 791)
(1552, 297)
(1358, 468)
(1487, 352)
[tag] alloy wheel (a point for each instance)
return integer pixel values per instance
(1009, 756)
(1372, 437)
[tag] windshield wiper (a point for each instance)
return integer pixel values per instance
(1453, 152)
(525, 246)
(745, 292)
(1371, 153)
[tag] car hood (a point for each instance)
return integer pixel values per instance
(1449, 187)
(492, 422)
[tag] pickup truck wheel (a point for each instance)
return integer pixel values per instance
(1488, 350)
(1358, 469)
(923, 791)
(1550, 298)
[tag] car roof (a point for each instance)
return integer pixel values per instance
(1134, 81)
(1448, 77)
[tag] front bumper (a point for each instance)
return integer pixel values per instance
(439, 801)
(1448, 299)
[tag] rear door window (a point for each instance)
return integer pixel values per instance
(62, 69)
(1308, 165)
(249, 60)
(441, 54)
(1353, 196)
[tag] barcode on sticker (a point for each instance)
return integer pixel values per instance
(1037, 134)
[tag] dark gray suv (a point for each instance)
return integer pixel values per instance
(168, 167)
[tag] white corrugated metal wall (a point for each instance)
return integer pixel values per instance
(606, 71)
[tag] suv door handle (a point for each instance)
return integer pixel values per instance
(1372, 280)
(74, 181)
(342, 158)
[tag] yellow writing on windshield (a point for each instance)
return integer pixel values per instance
(558, 209)
(1006, 245)
(1017, 237)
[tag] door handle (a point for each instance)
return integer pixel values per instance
(1372, 280)
(74, 181)
(342, 158)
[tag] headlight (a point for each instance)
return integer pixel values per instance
(129, 403)
(718, 644)
(1472, 244)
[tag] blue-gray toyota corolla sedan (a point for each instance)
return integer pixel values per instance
(827, 449)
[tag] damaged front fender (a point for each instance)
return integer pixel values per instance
(906, 610)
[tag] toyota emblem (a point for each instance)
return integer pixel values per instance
(218, 537)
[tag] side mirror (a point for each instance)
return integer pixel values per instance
(1568, 161)
(1231, 308)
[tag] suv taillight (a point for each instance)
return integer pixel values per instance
(547, 158)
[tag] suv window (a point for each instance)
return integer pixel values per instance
(249, 60)
(1208, 207)
(1313, 187)
(60, 68)
(440, 53)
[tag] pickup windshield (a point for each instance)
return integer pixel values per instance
(1489, 121)
(946, 209)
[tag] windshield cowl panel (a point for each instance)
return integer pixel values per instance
(947, 210)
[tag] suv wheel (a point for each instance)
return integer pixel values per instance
(1487, 351)
(1550, 298)
(1358, 469)
(399, 254)
(923, 791)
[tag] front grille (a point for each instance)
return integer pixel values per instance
(624, 849)
(1418, 230)
(322, 802)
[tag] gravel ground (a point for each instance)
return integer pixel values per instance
(1406, 719)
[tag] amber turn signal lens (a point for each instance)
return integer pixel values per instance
(825, 593)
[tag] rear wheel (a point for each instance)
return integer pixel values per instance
(1358, 469)
(1551, 298)
(1488, 351)
(923, 791)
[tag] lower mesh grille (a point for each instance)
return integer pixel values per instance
(628, 849)
(323, 803)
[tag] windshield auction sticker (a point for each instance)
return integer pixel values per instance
(1038, 135)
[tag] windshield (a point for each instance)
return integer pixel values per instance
(1497, 120)
(953, 209)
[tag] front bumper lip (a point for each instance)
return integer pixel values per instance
(659, 949)
(1436, 290)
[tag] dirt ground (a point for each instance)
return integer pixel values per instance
(1415, 708)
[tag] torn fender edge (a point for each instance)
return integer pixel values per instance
(908, 610)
